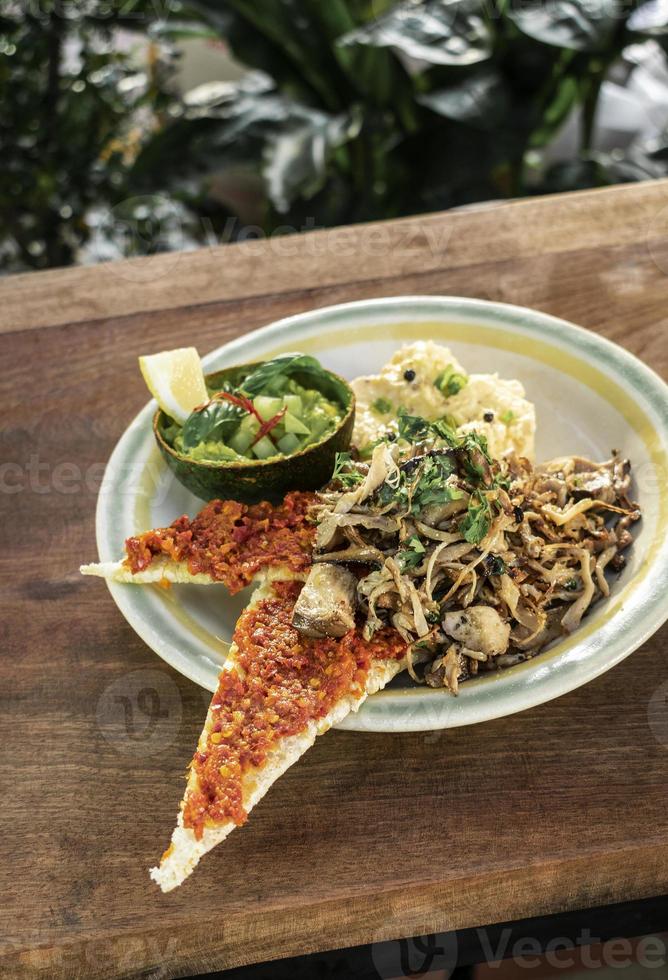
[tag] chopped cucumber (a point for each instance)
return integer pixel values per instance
(249, 424)
(267, 407)
(241, 440)
(264, 448)
(293, 424)
(294, 405)
(289, 443)
(318, 425)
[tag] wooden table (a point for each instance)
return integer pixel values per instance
(369, 837)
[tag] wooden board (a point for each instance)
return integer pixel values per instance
(369, 837)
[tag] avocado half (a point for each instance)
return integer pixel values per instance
(253, 480)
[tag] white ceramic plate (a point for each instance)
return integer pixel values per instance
(590, 395)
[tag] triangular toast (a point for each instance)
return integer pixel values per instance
(159, 571)
(244, 689)
(227, 542)
(275, 554)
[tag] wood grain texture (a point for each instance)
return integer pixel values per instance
(369, 837)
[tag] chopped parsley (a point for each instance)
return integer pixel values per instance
(396, 494)
(413, 555)
(507, 417)
(413, 428)
(431, 487)
(382, 406)
(346, 474)
(478, 518)
(450, 382)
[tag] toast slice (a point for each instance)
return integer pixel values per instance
(278, 691)
(227, 542)
(158, 572)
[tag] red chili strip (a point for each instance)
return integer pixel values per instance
(241, 402)
(267, 426)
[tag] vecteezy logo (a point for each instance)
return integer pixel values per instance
(140, 712)
(148, 226)
(416, 957)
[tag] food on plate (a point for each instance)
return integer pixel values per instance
(424, 550)
(327, 603)
(259, 411)
(278, 691)
(426, 379)
(260, 430)
(176, 381)
(477, 563)
(226, 542)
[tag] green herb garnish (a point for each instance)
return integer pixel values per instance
(507, 417)
(346, 474)
(413, 428)
(478, 519)
(214, 422)
(412, 556)
(431, 487)
(382, 406)
(272, 375)
(450, 382)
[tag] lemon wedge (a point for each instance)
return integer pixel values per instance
(176, 381)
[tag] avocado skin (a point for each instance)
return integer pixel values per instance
(256, 480)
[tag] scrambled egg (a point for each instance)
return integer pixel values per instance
(485, 403)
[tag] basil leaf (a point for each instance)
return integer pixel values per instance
(215, 422)
(284, 366)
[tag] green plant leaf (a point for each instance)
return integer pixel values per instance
(436, 32)
(296, 156)
(568, 24)
(649, 21)
(248, 123)
(480, 99)
(290, 40)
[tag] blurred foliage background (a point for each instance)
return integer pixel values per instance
(351, 110)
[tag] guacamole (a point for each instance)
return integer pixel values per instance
(269, 413)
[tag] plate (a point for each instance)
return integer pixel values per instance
(590, 395)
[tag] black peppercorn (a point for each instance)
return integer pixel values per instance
(494, 565)
(409, 374)
(518, 514)
(488, 416)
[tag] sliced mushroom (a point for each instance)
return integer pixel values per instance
(367, 556)
(478, 628)
(326, 604)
